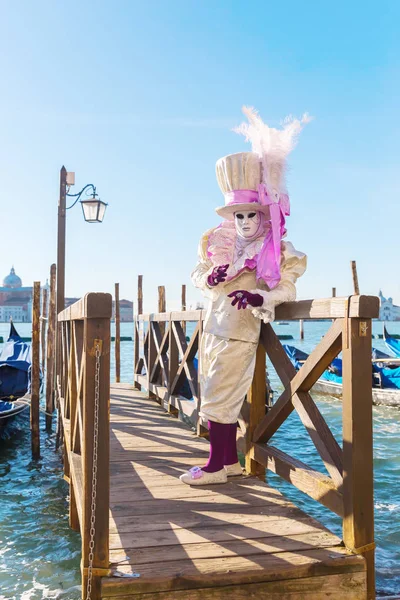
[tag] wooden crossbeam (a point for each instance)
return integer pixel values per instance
(290, 378)
(161, 361)
(189, 368)
(329, 308)
(77, 441)
(296, 396)
(188, 355)
(311, 482)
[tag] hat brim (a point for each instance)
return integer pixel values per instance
(228, 212)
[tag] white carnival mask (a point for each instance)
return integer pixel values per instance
(247, 223)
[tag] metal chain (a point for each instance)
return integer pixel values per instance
(94, 473)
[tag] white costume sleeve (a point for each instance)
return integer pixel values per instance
(203, 269)
(293, 265)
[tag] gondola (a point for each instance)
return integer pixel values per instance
(385, 374)
(15, 375)
(391, 343)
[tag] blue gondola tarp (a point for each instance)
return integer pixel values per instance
(15, 364)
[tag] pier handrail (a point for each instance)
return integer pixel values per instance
(83, 388)
(347, 486)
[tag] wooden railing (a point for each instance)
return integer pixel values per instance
(166, 357)
(164, 360)
(83, 388)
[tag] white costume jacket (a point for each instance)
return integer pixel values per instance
(230, 338)
(223, 319)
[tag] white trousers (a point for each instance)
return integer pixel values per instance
(226, 373)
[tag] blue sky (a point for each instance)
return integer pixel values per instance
(140, 99)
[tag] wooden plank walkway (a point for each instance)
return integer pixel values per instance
(242, 540)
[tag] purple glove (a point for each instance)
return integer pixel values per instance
(217, 276)
(243, 298)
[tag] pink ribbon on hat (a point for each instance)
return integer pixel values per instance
(241, 197)
(269, 258)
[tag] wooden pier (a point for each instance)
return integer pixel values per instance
(145, 534)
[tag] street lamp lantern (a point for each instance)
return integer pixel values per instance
(93, 209)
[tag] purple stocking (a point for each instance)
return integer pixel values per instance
(219, 433)
(231, 457)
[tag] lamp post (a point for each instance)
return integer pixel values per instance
(93, 212)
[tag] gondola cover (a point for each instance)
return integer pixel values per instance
(391, 343)
(15, 366)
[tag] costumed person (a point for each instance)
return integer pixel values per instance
(245, 269)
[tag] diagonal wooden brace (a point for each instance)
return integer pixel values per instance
(188, 352)
(161, 360)
(296, 396)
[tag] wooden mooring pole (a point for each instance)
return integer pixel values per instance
(301, 329)
(117, 336)
(51, 338)
(140, 295)
(333, 292)
(355, 277)
(43, 321)
(161, 306)
(35, 372)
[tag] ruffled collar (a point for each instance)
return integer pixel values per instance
(226, 247)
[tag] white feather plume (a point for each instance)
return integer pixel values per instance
(272, 145)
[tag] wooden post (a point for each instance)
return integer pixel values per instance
(140, 295)
(358, 497)
(161, 306)
(256, 400)
(136, 352)
(35, 372)
(333, 292)
(51, 336)
(355, 277)
(117, 336)
(96, 334)
(184, 307)
(43, 323)
(301, 329)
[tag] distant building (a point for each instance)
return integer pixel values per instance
(126, 311)
(15, 300)
(388, 311)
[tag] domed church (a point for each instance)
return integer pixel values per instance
(15, 300)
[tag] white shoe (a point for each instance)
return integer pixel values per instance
(234, 470)
(196, 476)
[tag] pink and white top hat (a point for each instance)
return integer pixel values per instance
(256, 180)
(240, 178)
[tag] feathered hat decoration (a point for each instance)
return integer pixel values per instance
(272, 147)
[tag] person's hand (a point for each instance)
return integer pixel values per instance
(242, 298)
(217, 276)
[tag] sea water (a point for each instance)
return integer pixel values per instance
(40, 554)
